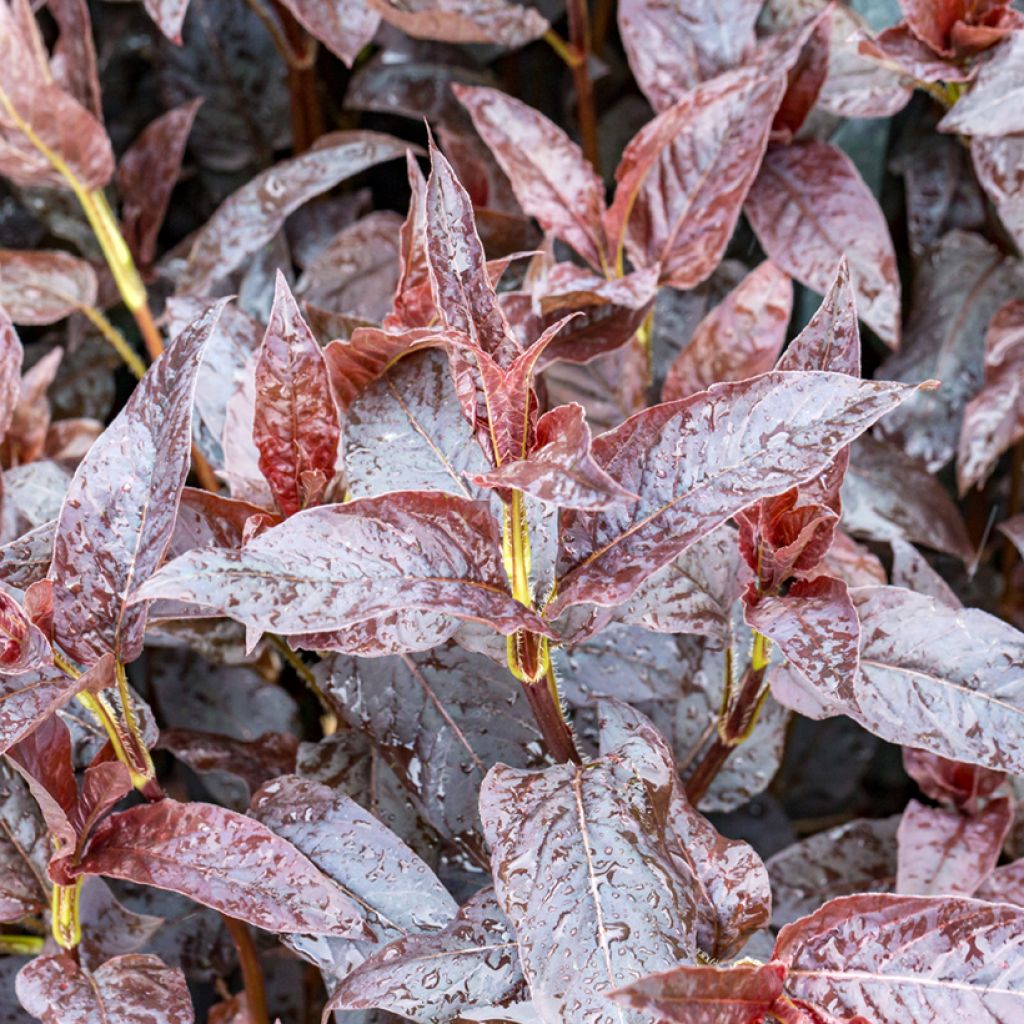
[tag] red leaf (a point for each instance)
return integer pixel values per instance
(344, 27)
(692, 471)
(901, 958)
(295, 426)
(737, 994)
(10, 370)
(740, 338)
(560, 469)
(911, 570)
(23, 646)
(947, 852)
(464, 21)
(133, 989)
(999, 166)
(992, 106)
(677, 204)
(118, 514)
(226, 861)
(550, 176)
(809, 53)
(809, 208)
(42, 287)
(334, 566)
(951, 781)
(146, 177)
(899, 48)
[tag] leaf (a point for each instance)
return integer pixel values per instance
(296, 426)
(693, 469)
(815, 625)
(146, 176)
(23, 645)
(740, 338)
(965, 785)
(119, 511)
(440, 719)
(133, 989)
(560, 469)
(994, 418)
(11, 355)
(889, 495)
(910, 569)
(705, 994)
(343, 26)
(42, 287)
(169, 16)
(926, 669)
(857, 857)
(250, 217)
(464, 21)
(947, 852)
(957, 291)
(431, 977)
(30, 102)
(549, 174)
(334, 566)
(899, 958)
(809, 207)
(992, 106)
(676, 203)
(25, 848)
(563, 841)
(225, 861)
(998, 166)
(809, 52)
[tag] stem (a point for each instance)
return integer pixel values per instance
(117, 340)
(66, 922)
(329, 719)
(252, 973)
(307, 118)
(579, 37)
(21, 945)
(1013, 507)
(142, 762)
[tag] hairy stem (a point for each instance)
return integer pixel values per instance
(252, 972)
(66, 922)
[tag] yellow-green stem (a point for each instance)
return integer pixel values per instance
(21, 945)
(117, 340)
(761, 653)
(66, 922)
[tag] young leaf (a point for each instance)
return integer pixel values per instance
(42, 287)
(676, 203)
(337, 565)
(296, 426)
(994, 418)
(23, 645)
(693, 468)
(857, 857)
(226, 861)
(550, 176)
(900, 958)
(809, 207)
(464, 21)
(250, 217)
(560, 469)
(133, 989)
(740, 338)
(947, 852)
(706, 994)
(965, 785)
(118, 514)
(146, 177)
(562, 841)
(673, 47)
(432, 977)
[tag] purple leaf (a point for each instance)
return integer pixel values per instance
(343, 26)
(38, 288)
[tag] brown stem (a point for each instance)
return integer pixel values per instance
(1009, 548)
(579, 39)
(542, 696)
(306, 115)
(252, 973)
(148, 329)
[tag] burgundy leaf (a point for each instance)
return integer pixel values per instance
(1013, 530)
(737, 994)
(146, 177)
(333, 566)
(740, 338)
(992, 106)
(676, 203)
(897, 47)
(560, 469)
(343, 26)
(464, 21)
(994, 418)
(31, 103)
(23, 646)
(562, 840)
(673, 46)
(11, 355)
(806, 76)
(73, 60)
(43, 287)
(931, 21)
(226, 861)
(118, 515)
(999, 166)
(948, 852)
(951, 781)
(910, 569)
(296, 426)
(133, 989)
(958, 289)
(252, 216)
(550, 176)
(693, 469)
(857, 857)
(810, 207)
(169, 16)
(900, 958)
(815, 625)
(25, 848)
(433, 976)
